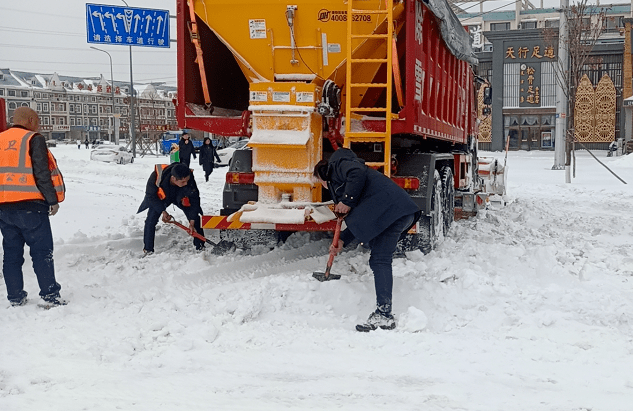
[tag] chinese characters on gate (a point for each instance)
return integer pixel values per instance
(530, 71)
(522, 52)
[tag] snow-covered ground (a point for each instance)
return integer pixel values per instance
(525, 308)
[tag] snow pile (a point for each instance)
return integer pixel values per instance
(524, 308)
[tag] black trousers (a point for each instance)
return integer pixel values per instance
(149, 232)
(382, 248)
(32, 228)
(186, 160)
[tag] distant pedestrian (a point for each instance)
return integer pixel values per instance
(87, 143)
(78, 144)
(186, 149)
(174, 153)
(25, 206)
(207, 157)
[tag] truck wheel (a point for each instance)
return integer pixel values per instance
(448, 206)
(432, 226)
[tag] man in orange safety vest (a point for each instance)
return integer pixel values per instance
(31, 188)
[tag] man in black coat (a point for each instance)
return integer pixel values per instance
(378, 213)
(172, 184)
(186, 149)
(207, 157)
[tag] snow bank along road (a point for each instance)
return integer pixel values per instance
(525, 308)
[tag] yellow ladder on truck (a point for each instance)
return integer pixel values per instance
(353, 24)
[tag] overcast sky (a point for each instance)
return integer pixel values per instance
(49, 36)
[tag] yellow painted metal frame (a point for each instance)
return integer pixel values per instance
(286, 140)
(352, 83)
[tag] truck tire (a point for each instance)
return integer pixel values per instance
(432, 226)
(448, 206)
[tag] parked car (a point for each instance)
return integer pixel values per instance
(51, 143)
(112, 153)
(226, 154)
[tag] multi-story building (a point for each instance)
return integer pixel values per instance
(526, 17)
(518, 56)
(77, 108)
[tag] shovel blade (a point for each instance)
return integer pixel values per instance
(322, 277)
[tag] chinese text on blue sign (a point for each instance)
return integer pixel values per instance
(128, 26)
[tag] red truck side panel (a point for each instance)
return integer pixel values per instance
(438, 85)
(222, 86)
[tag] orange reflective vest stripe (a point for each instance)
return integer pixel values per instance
(17, 182)
(159, 176)
(159, 168)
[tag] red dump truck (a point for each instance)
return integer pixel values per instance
(392, 80)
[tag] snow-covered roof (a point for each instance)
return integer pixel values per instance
(13, 78)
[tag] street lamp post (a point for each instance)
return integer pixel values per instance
(132, 113)
(112, 90)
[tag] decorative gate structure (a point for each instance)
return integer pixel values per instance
(594, 112)
(605, 111)
(584, 111)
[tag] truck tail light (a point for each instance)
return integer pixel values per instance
(240, 178)
(408, 183)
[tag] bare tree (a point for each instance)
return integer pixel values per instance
(585, 25)
(152, 114)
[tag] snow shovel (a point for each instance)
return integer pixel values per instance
(191, 233)
(326, 276)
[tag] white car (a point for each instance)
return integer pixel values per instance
(226, 154)
(112, 153)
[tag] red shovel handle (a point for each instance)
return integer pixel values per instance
(337, 236)
(190, 232)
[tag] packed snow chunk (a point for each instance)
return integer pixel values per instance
(415, 255)
(280, 137)
(79, 237)
(273, 216)
(414, 320)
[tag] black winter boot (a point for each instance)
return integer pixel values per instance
(377, 320)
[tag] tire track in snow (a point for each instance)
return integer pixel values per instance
(307, 257)
(220, 270)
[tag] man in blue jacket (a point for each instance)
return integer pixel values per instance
(378, 213)
(170, 184)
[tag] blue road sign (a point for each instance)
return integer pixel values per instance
(127, 26)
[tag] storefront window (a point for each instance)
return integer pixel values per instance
(510, 121)
(529, 132)
(511, 85)
(529, 121)
(547, 120)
